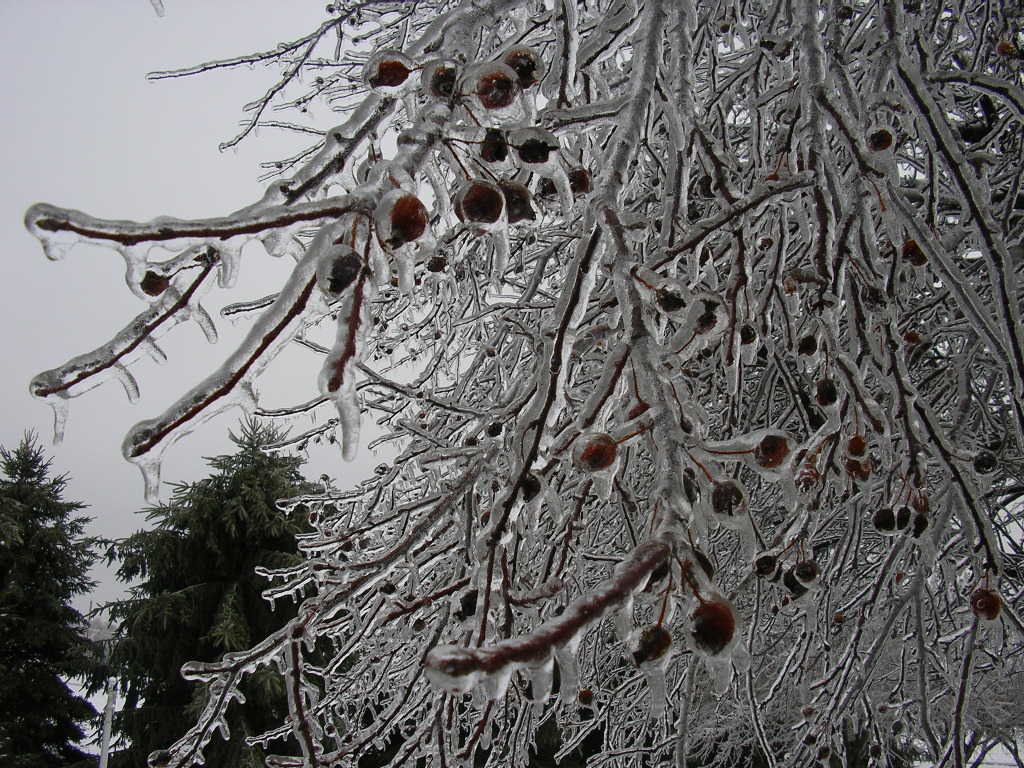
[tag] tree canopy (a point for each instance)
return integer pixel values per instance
(196, 595)
(696, 327)
(44, 563)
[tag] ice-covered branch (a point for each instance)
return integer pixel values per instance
(457, 669)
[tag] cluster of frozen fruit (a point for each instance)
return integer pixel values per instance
(797, 578)
(487, 93)
(711, 629)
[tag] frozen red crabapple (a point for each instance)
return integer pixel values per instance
(480, 202)
(439, 79)
(496, 86)
(387, 70)
(728, 499)
(337, 269)
(527, 64)
(651, 643)
(986, 604)
(771, 451)
(595, 452)
(401, 218)
(712, 626)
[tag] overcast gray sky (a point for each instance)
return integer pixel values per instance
(83, 128)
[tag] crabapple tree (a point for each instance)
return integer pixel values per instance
(696, 328)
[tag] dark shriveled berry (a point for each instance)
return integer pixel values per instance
(858, 470)
(728, 499)
(985, 463)
(518, 205)
(806, 570)
(436, 264)
(704, 562)
(884, 520)
(986, 604)
(713, 627)
(920, 525)
(652, 643)
(442, 81)
(708, 318)
(343, 271)
(585, 697)
(913, 253)
(766, 566)
(857, 445)
(523, 62)
(748, 334)
(690, 487)
(808, 345)
(531, 487)
(794, 585)
(535, 151)
(903, 516)
(579, 181)
(826, 392)
(153, 284)
(494, 147)
(1007, 50)
(880, 140)
(669, 300)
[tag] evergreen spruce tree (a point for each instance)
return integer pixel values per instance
(44, 561)
(199, 597)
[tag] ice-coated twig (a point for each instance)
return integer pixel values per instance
(264, 341)
(457, 669)
(86, 371)
(42, 219)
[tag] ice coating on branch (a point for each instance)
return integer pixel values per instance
(231, 384)
(345, 276)
(56, 242)
(458, 669)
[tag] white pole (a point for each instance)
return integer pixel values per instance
(108, 717)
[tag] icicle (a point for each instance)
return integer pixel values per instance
(655, 677)
(540, 680)
(156, 354)
(150, 468)
(204, 321)
(496, 684)
(721, 675)
(624, 619)
(230, 264)
(437, 184)
(502, 254)
(406, 269)
(60, 406)
(568, 671)
(131, 386)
